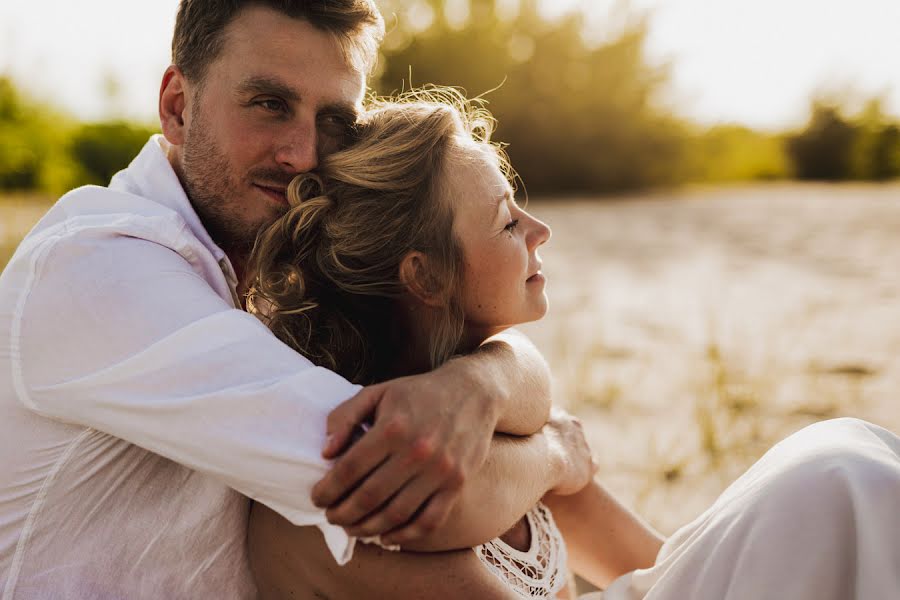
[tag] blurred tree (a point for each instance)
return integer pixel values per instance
(102, 149)
(32, 144)
(19, 164)
(576, 117)
(876, 151)
(738, 153)
(824, 150)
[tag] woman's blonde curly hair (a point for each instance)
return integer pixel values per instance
(327, 273)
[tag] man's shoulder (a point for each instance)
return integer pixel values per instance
(98, 201)
(95, 210)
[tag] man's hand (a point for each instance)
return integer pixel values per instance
(429, 433)
(575, 464)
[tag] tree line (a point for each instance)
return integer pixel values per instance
(576, 116)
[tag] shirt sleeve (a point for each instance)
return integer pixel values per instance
(123, 335)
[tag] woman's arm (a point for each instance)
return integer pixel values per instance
(294, 562)
(604, 538)
(510, 365)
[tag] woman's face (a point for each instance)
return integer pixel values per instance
(502, 282)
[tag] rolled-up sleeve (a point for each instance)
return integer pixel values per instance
(123, 335)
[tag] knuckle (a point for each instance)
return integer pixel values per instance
(456, 478)
(447, 465)
(422, 449)
(396, 428)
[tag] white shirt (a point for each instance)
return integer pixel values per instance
(139, 405)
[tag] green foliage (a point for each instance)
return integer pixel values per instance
(875, 154)
(41, 149)
(576, 117)
(102, 149)
(736, 153)
(836, 147)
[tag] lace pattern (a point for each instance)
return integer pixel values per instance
(540, 572)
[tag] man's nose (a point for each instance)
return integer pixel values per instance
(298, 153)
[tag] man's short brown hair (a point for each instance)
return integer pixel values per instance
(200, 27)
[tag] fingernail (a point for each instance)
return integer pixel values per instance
(329, 444)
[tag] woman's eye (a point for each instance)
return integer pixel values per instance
(512, 225)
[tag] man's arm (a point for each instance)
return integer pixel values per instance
(604, 538)
(507, 485)
(123, 335)
(293, 562)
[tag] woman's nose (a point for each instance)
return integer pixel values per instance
(540, 233)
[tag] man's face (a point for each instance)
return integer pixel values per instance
(279, 95)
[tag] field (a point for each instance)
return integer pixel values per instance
(691, 330)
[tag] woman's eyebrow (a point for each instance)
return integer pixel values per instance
(498, 203)
(268, 85)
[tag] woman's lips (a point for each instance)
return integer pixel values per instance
(537, 277)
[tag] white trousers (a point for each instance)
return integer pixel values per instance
(816, 518)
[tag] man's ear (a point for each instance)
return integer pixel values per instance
(173, 95)
(420, 282)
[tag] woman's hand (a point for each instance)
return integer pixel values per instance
(575, 464)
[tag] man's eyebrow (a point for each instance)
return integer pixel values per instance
(268, 85)
(350, 112)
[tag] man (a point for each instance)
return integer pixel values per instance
(141, 406)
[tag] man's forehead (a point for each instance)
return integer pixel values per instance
(261, 44)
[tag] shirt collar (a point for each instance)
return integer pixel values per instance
(151, 176)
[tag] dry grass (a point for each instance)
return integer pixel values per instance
(693, 331)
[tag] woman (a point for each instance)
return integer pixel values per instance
(401, 251)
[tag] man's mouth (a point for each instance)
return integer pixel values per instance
(278, 194)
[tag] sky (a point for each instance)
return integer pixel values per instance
(752, 62)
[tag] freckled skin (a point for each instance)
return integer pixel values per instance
(499, 256)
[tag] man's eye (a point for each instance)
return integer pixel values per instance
(272, 105)
(334, 123)
(511, 226)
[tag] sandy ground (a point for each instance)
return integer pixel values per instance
(692, 330)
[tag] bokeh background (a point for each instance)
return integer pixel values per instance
(720, 178)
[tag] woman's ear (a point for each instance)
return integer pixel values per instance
(420, 282)
(172, 105)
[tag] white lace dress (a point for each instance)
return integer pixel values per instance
(539, 572)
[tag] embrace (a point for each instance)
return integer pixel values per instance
(274, 358)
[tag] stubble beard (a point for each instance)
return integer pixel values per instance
(210, 183)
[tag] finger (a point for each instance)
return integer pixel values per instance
(399, 510)
(346, 473)
(374, 492)
(350, 413)
(432, 515)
